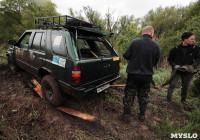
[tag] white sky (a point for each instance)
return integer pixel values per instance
(138, 8)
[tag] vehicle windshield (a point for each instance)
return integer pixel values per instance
(90, 48)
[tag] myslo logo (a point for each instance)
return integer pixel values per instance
(184, 135)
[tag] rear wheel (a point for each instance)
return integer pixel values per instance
(50, 90)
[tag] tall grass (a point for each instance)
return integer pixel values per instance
(161, 75)
(3, 59)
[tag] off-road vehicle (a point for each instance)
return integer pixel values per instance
(69, 55)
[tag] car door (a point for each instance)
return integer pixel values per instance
(22, 50)
(36, 54)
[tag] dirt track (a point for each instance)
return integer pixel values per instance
(25, 115)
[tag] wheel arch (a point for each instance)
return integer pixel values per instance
(43, 71)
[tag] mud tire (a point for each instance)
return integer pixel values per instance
(50, 90)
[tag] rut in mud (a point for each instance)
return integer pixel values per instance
(25, 115)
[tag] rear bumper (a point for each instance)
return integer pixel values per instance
(83, 90)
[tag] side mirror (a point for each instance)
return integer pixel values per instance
(12, 42)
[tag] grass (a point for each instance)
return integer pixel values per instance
(191, 119)
(190, 122)
(113, 99)
(161, 76)
(83, 135)
(23, 118)
(3, 59)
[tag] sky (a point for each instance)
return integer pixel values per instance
(138, 8)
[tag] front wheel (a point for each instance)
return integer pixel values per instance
(50, 90)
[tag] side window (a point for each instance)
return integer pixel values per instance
(59, 43)
(25, 41)
(38, 41)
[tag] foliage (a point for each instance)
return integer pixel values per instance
(123, 41)
(161, 76)
(169, 22)
(16, 16)
(193, 116)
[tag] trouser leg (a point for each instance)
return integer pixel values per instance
(185, 79)
(128, 100)
(172, 86)
(143, 97)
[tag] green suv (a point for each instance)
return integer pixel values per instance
(70, 58)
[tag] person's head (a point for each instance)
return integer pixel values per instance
(148, 30)
(188, 38)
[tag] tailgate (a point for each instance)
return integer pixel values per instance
(98, 61)
(99, 70)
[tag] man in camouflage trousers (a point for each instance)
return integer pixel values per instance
(143, 53)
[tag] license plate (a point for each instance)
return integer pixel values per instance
(103, 88)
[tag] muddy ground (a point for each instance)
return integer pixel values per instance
(24, 115)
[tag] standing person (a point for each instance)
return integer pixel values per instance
(143, 53)
(184, 56)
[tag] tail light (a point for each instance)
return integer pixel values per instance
(76, 75)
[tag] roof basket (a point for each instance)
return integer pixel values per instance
(71, 24)
(61, 22)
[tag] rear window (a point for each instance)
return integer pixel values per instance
(89, 48)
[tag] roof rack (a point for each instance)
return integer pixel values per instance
(69, 23)
(64, 21)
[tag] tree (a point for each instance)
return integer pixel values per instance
(164, 20)
(16, 16)
(130, 32)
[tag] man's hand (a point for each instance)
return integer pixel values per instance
(177, 66)
(186, 68)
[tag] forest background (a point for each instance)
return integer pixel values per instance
(169, 23)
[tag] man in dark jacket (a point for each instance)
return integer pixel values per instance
(143, 53)
(183, 59)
